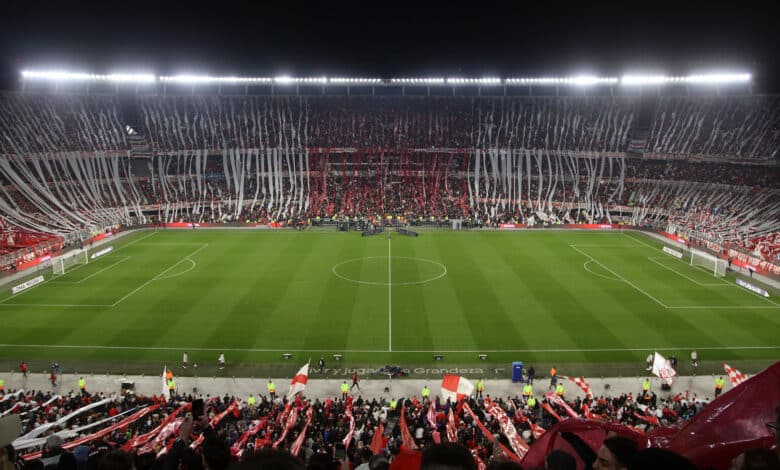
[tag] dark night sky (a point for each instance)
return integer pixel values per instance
(389, 38)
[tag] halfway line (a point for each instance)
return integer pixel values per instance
(389, 297)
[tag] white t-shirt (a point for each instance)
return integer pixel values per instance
(221, 358)
(694, 355)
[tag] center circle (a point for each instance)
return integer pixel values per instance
(402, 271)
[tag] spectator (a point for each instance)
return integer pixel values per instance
(615, 453)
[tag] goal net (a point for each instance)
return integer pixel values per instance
(709, 262)
(64, 262)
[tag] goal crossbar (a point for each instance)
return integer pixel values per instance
(711, 262)
(61, 264)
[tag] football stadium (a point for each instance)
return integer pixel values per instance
(375, 271)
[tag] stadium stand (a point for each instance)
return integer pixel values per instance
(155, 430)
(72, 162)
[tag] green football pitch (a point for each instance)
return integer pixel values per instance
(568, 297)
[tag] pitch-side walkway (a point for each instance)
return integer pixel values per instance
(702, 386)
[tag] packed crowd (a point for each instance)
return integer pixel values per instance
(485, 189)
(487, 160)
(159, 432)
(726, 128)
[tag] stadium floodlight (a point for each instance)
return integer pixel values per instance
(349, 81)
(718, 78)
(474, 81)
(62, 76)
(643, 79)
(206, 79)
(579, 80)
(711, 78)
(418, 81)
(284, 80)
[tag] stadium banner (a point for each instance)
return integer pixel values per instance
(102, 252)
(512, 226)
(196, 225)
(27, 284)
(594, 226)
(752, 288)
(674, 237)
(32, 263)
(675, 253)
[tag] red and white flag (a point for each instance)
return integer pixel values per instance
(455, 388)
(348, 438)
(431, 415)
(536, 430)
(580, 382)
(480, 464)
(662, 367)
(296, 447)
(377, 441)
(452, 430)
(507, 428)
(735, 376)
(298, 383)
(552, 397)
(292, 418)
(406, 436)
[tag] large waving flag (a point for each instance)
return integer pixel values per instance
(662, 367)
(455, 387)
(377, 441)
(298, 383)
(582, 384)
(735, 376)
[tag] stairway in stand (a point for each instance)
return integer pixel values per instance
(140, 146)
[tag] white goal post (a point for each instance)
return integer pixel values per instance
(711, 262)
(62, 263)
